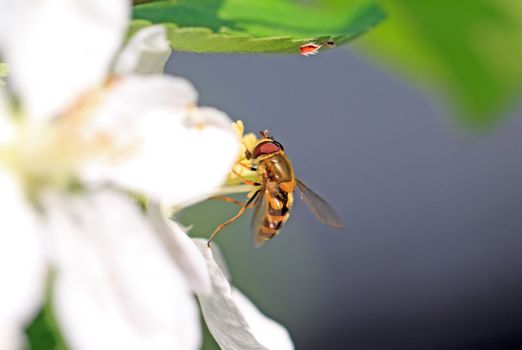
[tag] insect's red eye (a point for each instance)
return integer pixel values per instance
(266, 148)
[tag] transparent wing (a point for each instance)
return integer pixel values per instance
(258, 217)
(321, 209)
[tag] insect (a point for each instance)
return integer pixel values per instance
(309, 49)
(274, 194)
(312, 48)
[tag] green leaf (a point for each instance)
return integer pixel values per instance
(4, 71)
(255, 26)
(44, 333)
(470, 50)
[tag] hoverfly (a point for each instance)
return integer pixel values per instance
(274, 195)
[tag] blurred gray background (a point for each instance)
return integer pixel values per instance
(431, 254)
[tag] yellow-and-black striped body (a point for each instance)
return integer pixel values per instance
(278, 181)
(273, 195)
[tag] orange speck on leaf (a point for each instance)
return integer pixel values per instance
(309, 49)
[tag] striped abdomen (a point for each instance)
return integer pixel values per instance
(279, 205)
(279, 182)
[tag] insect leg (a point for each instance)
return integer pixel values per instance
(248, 182)
(228, 199)
(246, 166)
(239, 213)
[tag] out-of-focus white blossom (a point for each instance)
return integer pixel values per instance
(116, 286)
(146, 53)
(58, 50)
(22, 262)
(140, 133)
(122, 278)
(158, 141)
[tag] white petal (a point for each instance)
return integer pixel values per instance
(11, 338)
(22, 266)
(172, 152)
(233, 320)
(146, 53)
(58, 49)
(116, 286)
(269, 333)
(182, 250)
(132, 98)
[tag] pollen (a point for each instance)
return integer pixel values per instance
(248, 141)
(240, 169)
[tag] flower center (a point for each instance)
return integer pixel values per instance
(51, 154)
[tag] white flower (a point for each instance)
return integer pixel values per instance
(22, 269)
(182, 250)
(116, 286)
(59, 49)
(176, 160)
(233, 320)
(141, 133)
(121, 279)
(146, 53)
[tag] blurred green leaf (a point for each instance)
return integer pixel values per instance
(44, 333)
(261, 26)
(469, 49)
